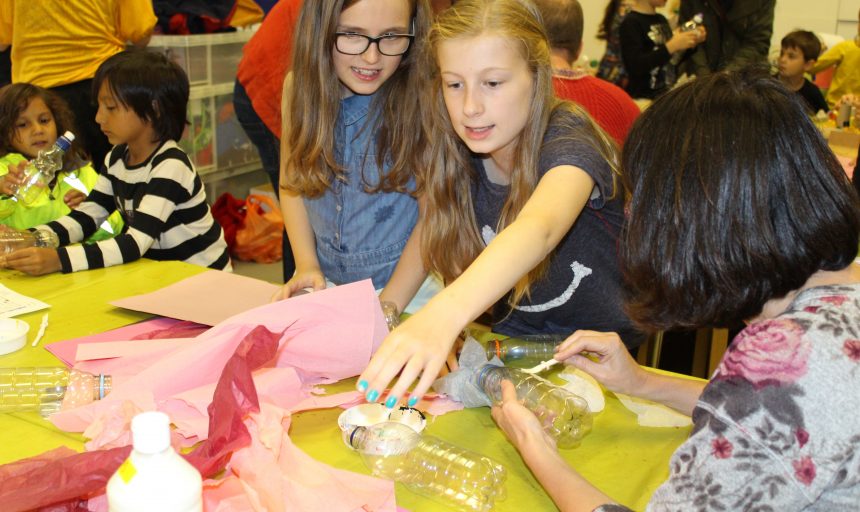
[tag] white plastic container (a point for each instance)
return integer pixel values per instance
(154, 477)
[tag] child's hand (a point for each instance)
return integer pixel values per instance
(682, 41)
(313, 279)
(35, 261)
(12, 179)
(417, 349)
(73, 198)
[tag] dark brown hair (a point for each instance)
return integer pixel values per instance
(743, 206)
(15, 98)
(805, 41)
(612, 9)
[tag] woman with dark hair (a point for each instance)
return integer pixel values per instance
(748, 216)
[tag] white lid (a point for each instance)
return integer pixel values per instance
(150, 432)
(13, 335)
(69, 135)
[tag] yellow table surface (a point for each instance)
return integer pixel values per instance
(624, 460)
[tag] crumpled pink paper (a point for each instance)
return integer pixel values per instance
(327, 336)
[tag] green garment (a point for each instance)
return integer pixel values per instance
(49, 208)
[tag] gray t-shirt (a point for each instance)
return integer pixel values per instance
(582, 287)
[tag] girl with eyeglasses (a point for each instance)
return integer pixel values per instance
(349, 150)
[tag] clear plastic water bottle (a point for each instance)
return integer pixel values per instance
(154, 477)
(521, 352)
(429, 466)
(563, 415)
(13, 239)
(41, 170)
(693, 23)
(48, 389)
(688, 26)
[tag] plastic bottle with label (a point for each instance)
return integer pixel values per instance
(13, 239)
(154, 477)
(521, 352)
(41, 170)
(429, 466)
(563, 415)
(48, 389)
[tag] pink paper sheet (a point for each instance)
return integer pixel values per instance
(206, 298)
(329, 336)
(65, 350)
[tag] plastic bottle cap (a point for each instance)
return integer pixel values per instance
(69, 135)
(13, 335)
(150, 432)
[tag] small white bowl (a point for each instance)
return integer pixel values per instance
(13, 334)
(365, 415)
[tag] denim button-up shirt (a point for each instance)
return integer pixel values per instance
(359, 235)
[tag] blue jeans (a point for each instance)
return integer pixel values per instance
(269, 148)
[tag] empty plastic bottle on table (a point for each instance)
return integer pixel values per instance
(431, 467)
(48, 389)
(154, 477)
(521, 352)
(42, 169)
(563, 415)
(13, 239)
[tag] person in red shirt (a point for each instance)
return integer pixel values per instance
(607, 103)
(258, 90)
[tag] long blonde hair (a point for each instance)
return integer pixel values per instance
(450, 238)
(311, 103)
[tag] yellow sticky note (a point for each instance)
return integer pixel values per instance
(127, 471)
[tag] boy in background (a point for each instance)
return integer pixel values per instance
(800, 50)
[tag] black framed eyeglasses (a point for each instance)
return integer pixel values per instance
(392, 45)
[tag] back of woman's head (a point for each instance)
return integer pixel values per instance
(151, 85)
(14, 100)
(736, 200)
(312, 102)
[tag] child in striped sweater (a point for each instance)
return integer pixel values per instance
(142, 100)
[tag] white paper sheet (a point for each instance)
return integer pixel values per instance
(14, 304)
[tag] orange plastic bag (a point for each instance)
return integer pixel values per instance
(259, 239)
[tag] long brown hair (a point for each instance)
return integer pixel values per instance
(312, 95)
(450, 237)
(15, 98)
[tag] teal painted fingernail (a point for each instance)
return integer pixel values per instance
(413, 401)
(372, 395)
(391, 402)
(362, 385)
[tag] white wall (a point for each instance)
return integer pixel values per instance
(829, 16)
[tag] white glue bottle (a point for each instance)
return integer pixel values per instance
(154, 477)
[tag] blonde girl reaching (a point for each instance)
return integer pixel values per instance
(350, 141)
(522, 209)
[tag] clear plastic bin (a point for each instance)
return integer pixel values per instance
(214, 139)
(208, 59)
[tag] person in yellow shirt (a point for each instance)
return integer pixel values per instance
(846, 79)
(58, 45)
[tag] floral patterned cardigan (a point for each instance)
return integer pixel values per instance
(778, 426)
